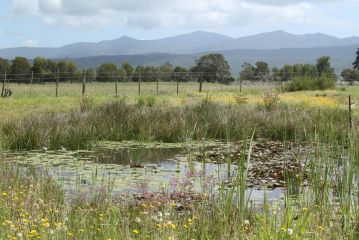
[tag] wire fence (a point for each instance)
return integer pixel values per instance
(177, 78)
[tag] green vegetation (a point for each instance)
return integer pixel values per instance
(320, 199)
(306, 83)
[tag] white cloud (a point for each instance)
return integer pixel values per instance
(30, 43)
(26, 6)
(163, 13)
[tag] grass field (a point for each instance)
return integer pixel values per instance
(320, 202)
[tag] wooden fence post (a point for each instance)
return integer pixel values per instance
(139, 82)
(31, 81)
(157, 83)
(350, 112)
(200, 82)
(83, 82)
(116, 86)
(177, 79)
(57, 82)
(3, 85)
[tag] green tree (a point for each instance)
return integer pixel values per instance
(20, 69)
(166, 71)
(180, 73)
(39, 68)
(214, 67)
(72, 71)
(90, 75)
(128, 68)
(4, 66)
(262, 71)
(286, 73)
(356, 62)
(350, 75)
(248, 72)
(324, 68)
(106, 71)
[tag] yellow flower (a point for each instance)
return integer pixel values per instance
(4, 194)
(135, 231)
(173, 226)
(320, 228)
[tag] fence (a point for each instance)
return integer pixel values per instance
(8, 80)
(140, 77)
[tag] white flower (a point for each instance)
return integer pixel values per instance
(289, 231)
(246, 222)
(138, 220)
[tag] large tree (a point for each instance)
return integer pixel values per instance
(20, 69)
(262, 71)
(128, 68)
(350, 75)
(248, 72)
(4, 66)
(214, 67)
(356, 62)
(324, 68)
(106, 71)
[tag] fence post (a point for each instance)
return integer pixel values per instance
(3, 85)
(116, 86)
(31, 81)
(200, 82)
(139, 82)
(57, 82)
(177, 79)
(157, 83)
(240, 84)
(350, 112)
(83, 82)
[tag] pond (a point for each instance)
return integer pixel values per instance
(131, 168)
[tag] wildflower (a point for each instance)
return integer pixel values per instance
(289, 231)
(173, 226)
(304, 209)
(4, 194)
(320, 228)
(135, 231)
(138, 220)
(185, 226)
(246, 222)
(70, 234)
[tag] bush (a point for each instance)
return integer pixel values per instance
(306, 83)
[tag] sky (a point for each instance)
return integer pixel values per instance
(52, 23)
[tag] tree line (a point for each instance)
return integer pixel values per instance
(210, 68)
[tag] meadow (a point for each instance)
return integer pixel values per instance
(318, 167)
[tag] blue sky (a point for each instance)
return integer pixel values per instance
(57, 22)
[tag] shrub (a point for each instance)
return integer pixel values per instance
(306, 83)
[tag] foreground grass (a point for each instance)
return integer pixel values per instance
(32, 206)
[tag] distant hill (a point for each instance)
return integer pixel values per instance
(341, 57)
(191, 43)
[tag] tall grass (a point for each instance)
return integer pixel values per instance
(120, 121)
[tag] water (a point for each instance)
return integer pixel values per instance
(156, 169)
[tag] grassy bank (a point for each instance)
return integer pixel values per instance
(120, 121)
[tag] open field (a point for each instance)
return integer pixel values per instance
(213, 165)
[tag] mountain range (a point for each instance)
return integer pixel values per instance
(277, 47)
